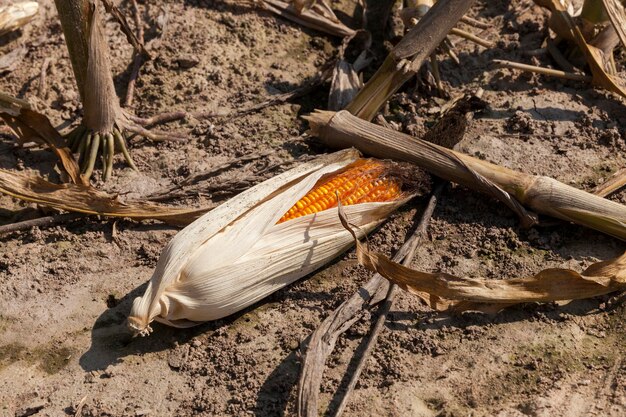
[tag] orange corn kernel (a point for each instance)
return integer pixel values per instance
(364, 181)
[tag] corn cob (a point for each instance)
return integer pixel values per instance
(237, 254)
(364, 181)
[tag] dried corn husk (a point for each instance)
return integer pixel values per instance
(237, 254)
(16, 15)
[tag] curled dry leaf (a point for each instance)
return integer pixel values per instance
(266, 238)
(346, 82)
(562, 22)
(31, 126)
(444, 289)
(86, 199)
(617, 16)
(16, 15)
(319, 16)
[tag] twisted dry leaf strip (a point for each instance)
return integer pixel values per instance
(86, 199)
(553, 284)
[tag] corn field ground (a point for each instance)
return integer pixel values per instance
(67, 289)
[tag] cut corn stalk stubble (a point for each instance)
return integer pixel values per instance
(266, 238)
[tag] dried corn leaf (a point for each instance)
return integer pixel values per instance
(563, 23)
(548, 285)
(319, 16)
(83, 199)
(346, 82)
(31, 126)
(617, 16)
(16, 15)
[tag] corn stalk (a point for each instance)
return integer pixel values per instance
(542, 194)
(104, 124)
(406, 58)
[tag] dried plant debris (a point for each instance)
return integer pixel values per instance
(31, 126)
(585, 39)
(446, 291)
(408, 56)
(615, 11)
(16, 15)
(86, 199)
(313, 14)
(105, 125)
(267, 237)
(346, 81)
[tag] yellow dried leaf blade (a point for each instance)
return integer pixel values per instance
(617, 16)
(548, 285)
(84, 199)
(30, 125)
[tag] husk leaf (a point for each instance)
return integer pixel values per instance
(237, 254)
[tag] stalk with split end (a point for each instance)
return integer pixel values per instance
(542, 194)
(408, 56)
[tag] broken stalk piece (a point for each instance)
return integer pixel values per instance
(542, 194)
(540, 70)
(407, 56)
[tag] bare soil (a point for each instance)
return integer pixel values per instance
(65, 291)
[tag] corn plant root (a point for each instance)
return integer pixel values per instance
(89, 143)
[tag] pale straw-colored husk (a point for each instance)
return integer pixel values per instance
(237, 254)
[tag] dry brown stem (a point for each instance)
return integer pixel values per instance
(407, 56)
(616, 182)
(388, 302)
(540, 70)
(542, 194)
(104, 124)
(323, 339)
(39, 222)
